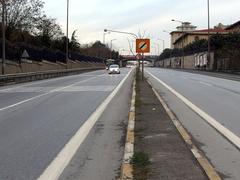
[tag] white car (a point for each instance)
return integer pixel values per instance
(114, 69)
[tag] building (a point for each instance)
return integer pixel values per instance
(185, 27)
(191, 36)
(234, 27)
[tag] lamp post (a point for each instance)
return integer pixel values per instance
(104, 35)
(182, 63)
(121, 32)
(3, 37)
(170, 48)
(162, 42)
(166, 31)
(158, 49)
(209, 41)
(111, 47)
(67, 49)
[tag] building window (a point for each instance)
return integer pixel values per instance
(196, 38)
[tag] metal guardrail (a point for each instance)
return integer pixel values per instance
(33, 76)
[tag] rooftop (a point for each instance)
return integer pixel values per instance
(233, 25)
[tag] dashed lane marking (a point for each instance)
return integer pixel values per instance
(41, 95)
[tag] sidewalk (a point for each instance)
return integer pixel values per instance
(159, 150)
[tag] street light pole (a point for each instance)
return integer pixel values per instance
(104, 35)
(121, 32)
(111, 47)
(67, 48)
(162, 42)
(157, 52)
(209, 41)
(182, 63)
(3, 37)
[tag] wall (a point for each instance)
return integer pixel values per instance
(195, 61)
(33, 66)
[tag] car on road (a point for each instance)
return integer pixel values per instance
(114, 69)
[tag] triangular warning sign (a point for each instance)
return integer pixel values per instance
(25, 54)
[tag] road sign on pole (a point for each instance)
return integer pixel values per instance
(143, 45)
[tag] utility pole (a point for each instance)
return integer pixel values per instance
(182, 63)
(3, 37)
(67, 49)
(209, 40)
(182, 23)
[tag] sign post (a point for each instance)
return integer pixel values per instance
(143, 46)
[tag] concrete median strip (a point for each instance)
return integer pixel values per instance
(202, 160)
(127, 169)
(56, 167)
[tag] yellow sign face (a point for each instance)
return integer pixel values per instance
(143, 45)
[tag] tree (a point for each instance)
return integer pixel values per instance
(48, 30)
(74, 45)
(22, 15)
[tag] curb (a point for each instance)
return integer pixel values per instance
(127, 169)
(202, 160)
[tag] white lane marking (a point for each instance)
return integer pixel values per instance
(214, 123)
(70, 89)
(49, 80)
(56, 167)
(54, 90)
(204, 83)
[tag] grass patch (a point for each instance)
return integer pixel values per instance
(140, 162)
(140, 159)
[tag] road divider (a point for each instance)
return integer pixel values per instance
(56, 167)
(233, 138)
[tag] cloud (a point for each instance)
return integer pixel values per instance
(154, 16)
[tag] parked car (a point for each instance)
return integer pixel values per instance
(114, 69)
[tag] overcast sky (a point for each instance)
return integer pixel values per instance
(91, 17)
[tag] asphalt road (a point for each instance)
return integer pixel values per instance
(219, 98)
(37, 119)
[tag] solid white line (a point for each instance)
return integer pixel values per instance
(52, 91)
(54, 170)
(223, 130)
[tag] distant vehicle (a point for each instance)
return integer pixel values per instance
(129, 66)
(114, 69)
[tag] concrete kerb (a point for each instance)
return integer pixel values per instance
(202, 160)
(127, 168)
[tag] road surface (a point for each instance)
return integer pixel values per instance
(38, 119)
(218, 98)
